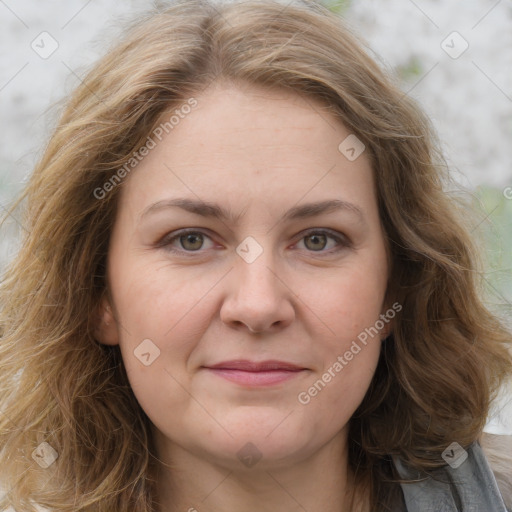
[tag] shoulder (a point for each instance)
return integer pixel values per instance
(498, 451)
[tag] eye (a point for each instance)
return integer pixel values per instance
(324, 241)
(185, 241)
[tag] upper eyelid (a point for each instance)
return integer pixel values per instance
(167, 239)
(170, 237)
(326, 231)
(342, 240)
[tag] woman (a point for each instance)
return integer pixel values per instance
(243, 286)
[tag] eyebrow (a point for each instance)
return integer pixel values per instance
(209, 209)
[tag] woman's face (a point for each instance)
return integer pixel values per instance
(247, 265)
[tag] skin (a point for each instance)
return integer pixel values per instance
(257, 153)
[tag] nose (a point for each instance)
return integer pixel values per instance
(258, 298)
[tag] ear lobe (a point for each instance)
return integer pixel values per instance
(389, 322)
(384, 334)
(105, 330)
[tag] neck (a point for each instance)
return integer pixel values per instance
(320, 482)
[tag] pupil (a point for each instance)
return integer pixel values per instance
(192, 241)
(316, 239)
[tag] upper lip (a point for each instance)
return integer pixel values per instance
(256, 366)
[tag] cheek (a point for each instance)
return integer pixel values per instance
(172, 313)
(349, 307)
(157, 301)
(352, 300)
(347, 362)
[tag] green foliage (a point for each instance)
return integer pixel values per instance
(337, 6)
(412, 69)
(495, 238)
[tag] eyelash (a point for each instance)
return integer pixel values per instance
(342, 241)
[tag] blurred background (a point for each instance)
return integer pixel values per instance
(453, 57)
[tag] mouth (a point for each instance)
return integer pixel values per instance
(252, 373)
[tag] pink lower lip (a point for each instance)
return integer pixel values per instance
(261, 378)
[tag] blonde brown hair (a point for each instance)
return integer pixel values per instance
(437, 372)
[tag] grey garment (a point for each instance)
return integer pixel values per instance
(469, 488)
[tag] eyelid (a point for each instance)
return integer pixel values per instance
(342, 240)
(166, 240)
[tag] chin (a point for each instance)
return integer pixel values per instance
(261, 441)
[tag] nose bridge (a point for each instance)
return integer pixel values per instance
(256, 270)
(257, 297)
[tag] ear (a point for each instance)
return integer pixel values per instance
(387, 330)
(105, 327)
(388, 318)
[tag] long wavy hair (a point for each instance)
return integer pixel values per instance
(438, 371)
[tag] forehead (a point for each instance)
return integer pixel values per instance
(245, 143)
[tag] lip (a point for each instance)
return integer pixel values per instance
(254, 373)
(255, 366)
